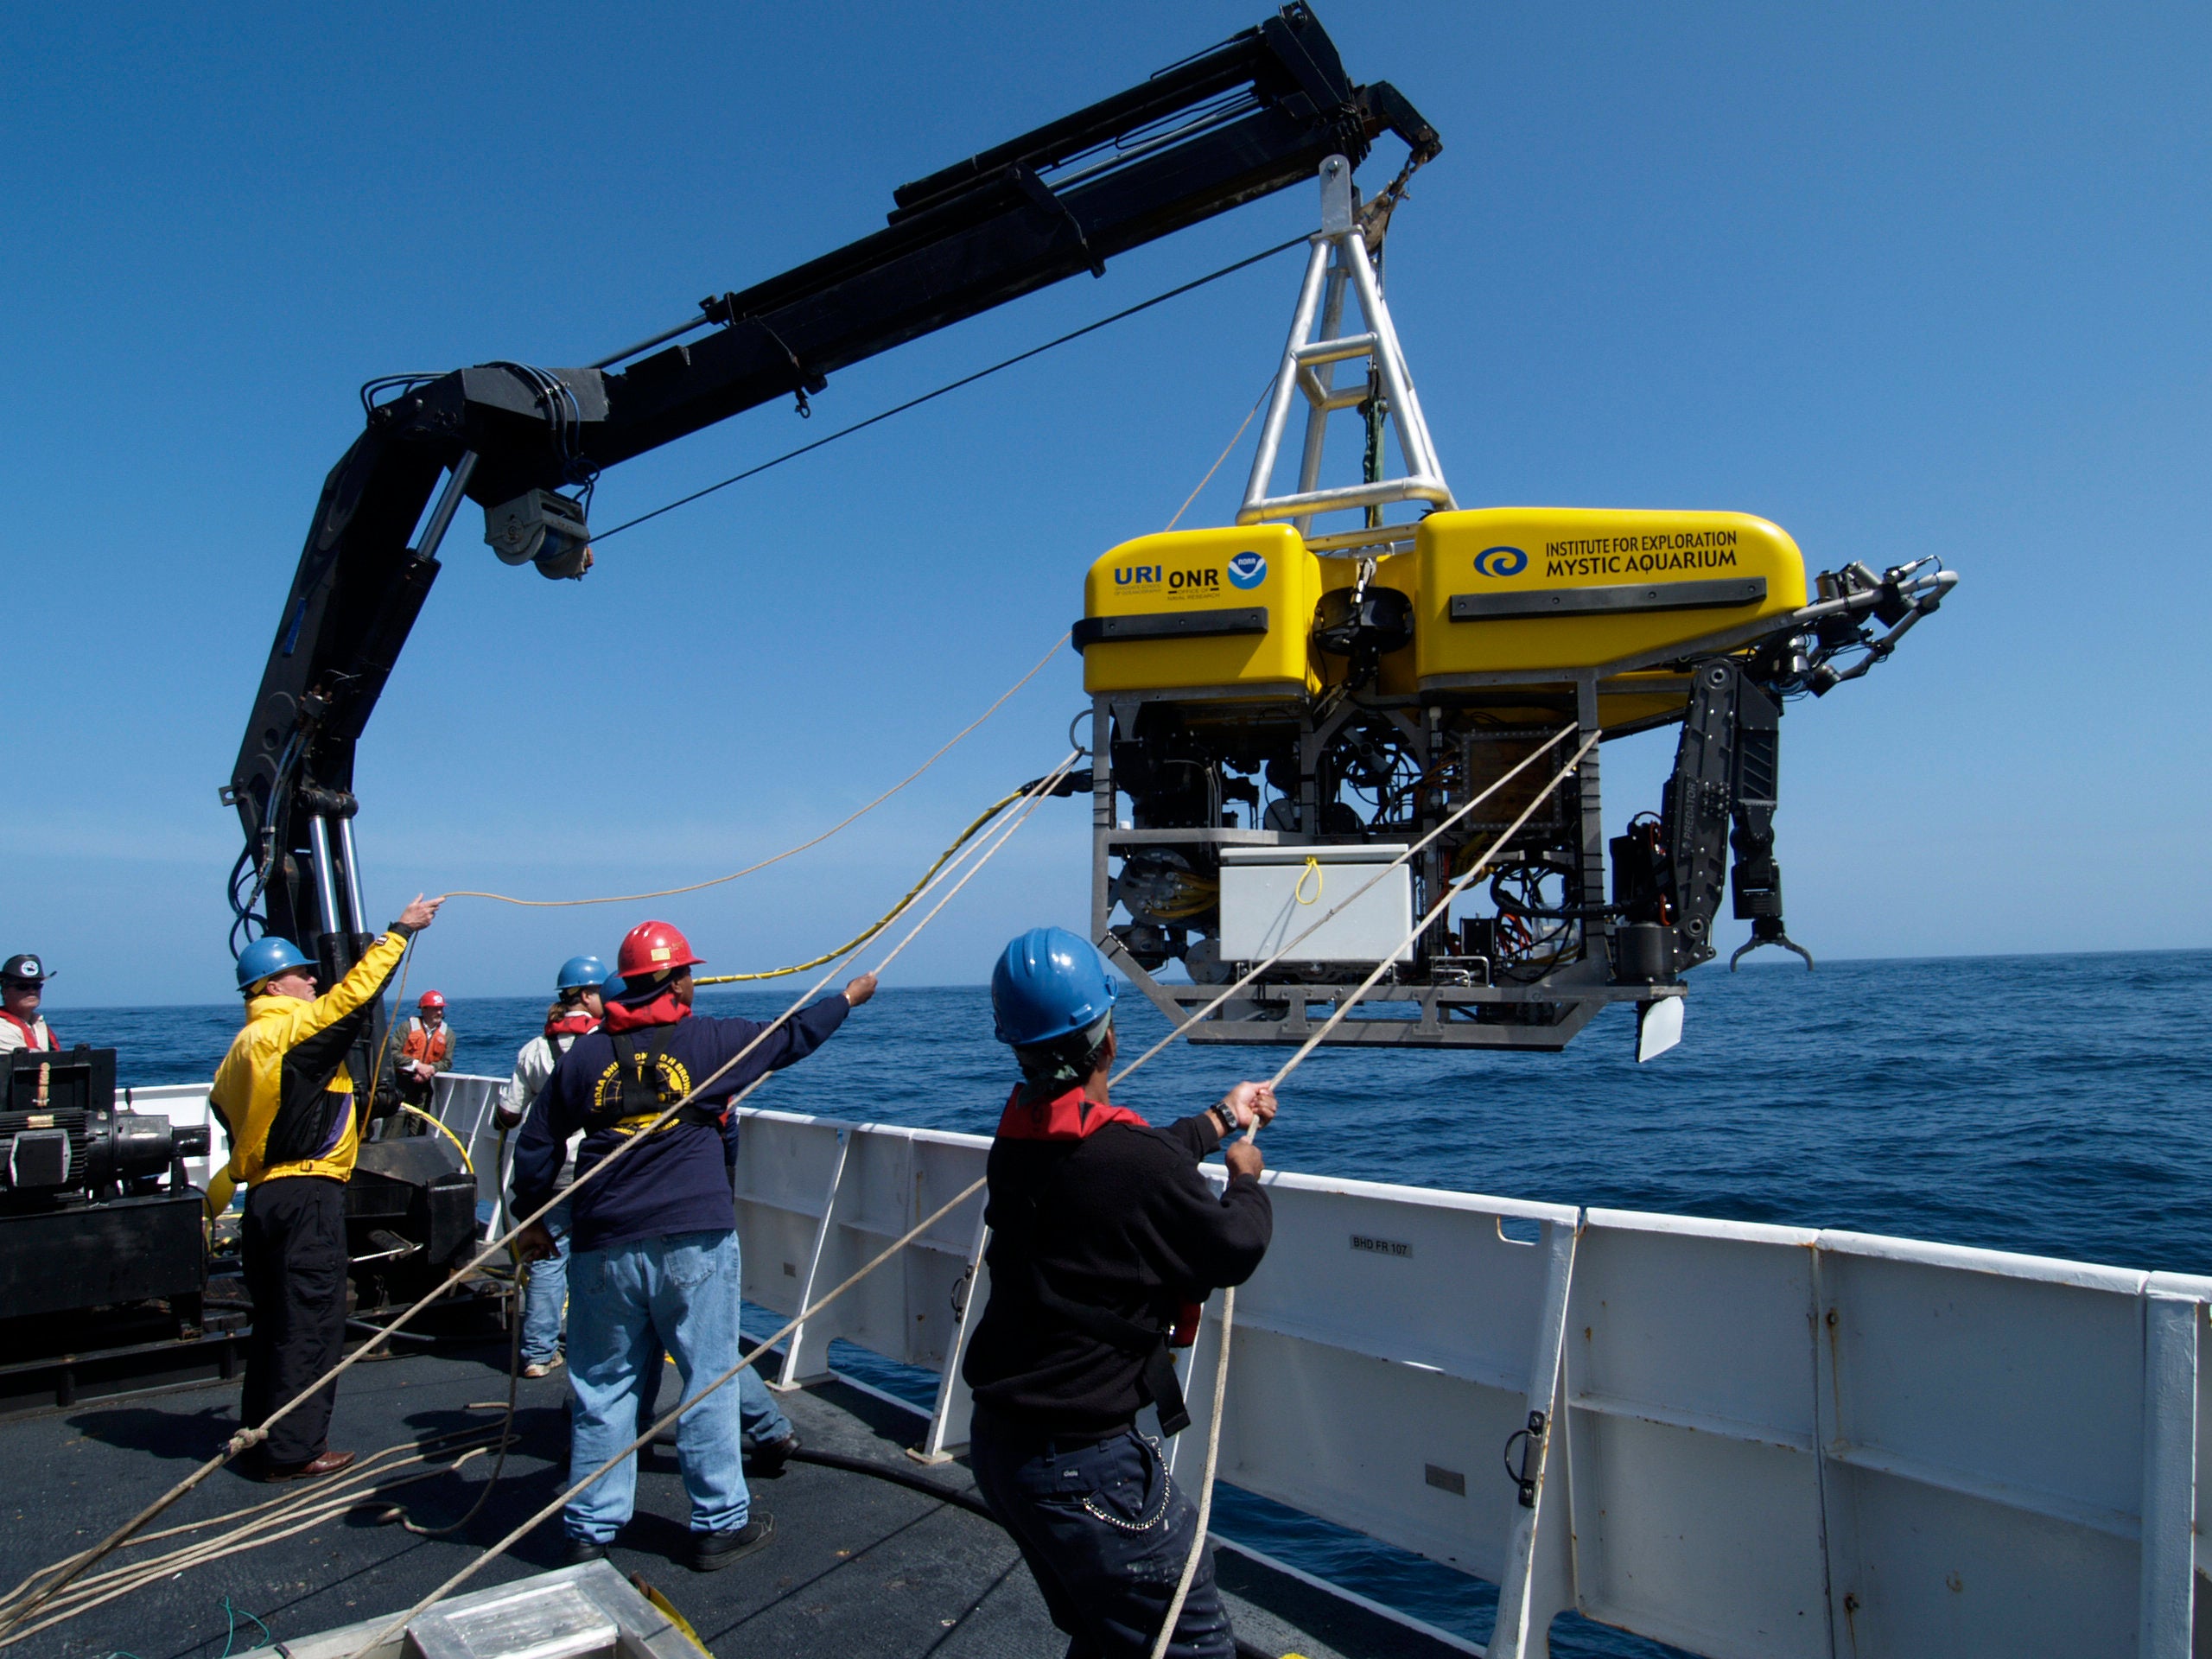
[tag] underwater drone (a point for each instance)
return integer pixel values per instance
(1279, 714)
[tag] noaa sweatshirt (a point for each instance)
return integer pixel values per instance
(679, 1181)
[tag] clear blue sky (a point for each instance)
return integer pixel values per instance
(1903, 279)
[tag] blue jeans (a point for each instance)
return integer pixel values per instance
(626, 1304)
(548, 1294)
(1105, 1533)
(762, 1422)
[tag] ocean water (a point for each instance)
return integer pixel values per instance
(2059, 1105)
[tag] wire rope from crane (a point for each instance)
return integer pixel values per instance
(877, 419)
(843, 432)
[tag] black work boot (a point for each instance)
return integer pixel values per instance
(712, 1551)
(574, 1552)
(768, 1461)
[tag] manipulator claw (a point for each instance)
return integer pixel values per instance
(1758, 884)
(1767, 930)
(1896, 599)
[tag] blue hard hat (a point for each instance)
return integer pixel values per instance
(1049, 983)
(266, 957)
(581, 973)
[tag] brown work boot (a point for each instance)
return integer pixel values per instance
(324, 1463)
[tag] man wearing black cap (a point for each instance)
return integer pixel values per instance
(23, 980)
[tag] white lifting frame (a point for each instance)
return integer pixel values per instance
(1339, 259)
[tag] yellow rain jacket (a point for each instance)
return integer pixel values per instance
(285, 1092)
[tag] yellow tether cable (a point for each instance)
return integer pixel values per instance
(1312, 868)
(789, 852)
(459, 1146)
(876, 927)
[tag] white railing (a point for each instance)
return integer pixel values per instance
(1760, 1442)
(1776, 1441)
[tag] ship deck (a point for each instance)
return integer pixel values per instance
(860, 1566)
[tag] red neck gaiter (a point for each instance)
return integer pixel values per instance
(663, 1010)
(1069, 1117)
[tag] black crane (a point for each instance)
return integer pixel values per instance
(1256, 114)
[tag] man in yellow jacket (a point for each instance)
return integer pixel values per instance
(287, 1099)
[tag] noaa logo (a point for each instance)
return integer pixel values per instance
(1247, 571)
(1501, 562)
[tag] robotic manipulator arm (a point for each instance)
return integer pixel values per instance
(1669, 869)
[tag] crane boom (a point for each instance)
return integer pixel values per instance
(1254, 115)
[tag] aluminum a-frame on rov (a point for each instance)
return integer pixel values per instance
(1279, 714)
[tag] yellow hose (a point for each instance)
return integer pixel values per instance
(667, 1610)
(458, 1145)
(967, 835)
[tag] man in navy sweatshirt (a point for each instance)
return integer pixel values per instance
(653, 1259)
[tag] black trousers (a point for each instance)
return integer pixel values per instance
(294, 1245)
(1105, 1533)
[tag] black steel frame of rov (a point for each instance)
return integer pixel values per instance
(1457, 1008)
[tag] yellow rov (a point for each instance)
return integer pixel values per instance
(1310, 747)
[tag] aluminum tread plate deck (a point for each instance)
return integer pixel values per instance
(860, 1568)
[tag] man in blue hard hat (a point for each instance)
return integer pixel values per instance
(576, 1009)
(289, 1105)
(1104, 1238)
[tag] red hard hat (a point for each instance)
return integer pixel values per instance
(651, 947)
(432, 1000)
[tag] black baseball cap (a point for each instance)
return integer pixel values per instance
(24, 967)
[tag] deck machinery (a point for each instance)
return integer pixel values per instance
(1279, 712)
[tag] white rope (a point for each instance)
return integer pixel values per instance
(398, 1626)
(246, 1439)
(269, 1522)
(1411, 852)
(1228, 1296)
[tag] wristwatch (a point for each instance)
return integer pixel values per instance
(1225, 1114)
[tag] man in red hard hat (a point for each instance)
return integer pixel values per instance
(653, 1262)
(425, 1050)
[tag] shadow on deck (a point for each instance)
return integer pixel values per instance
(858, 1567)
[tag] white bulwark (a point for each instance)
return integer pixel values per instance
(1748, 1441)
(1755, 1442)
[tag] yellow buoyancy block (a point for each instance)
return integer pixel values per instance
(1228, 609)
(1523, 590)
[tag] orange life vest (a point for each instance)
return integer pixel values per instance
(429, 1046)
